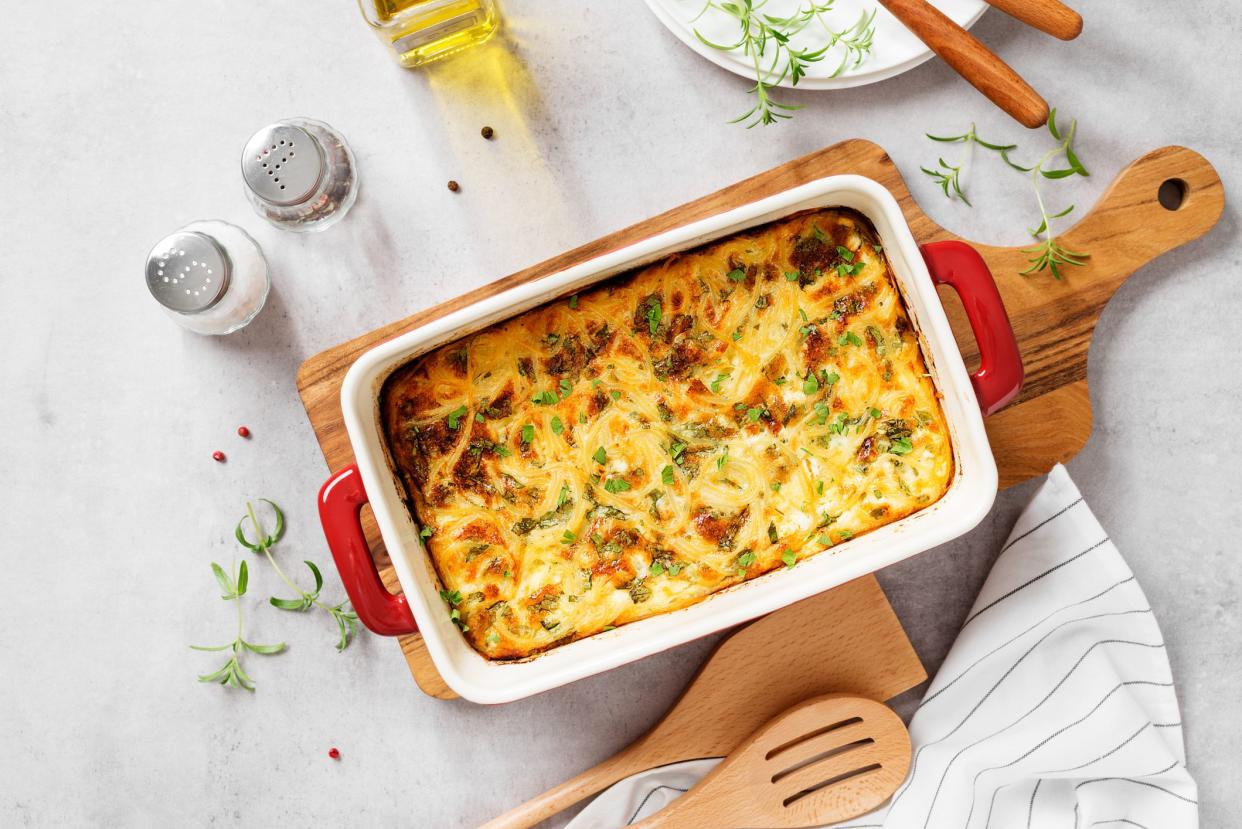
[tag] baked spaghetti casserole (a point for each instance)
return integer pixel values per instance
(633, 449)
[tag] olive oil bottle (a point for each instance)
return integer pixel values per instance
(420, 31)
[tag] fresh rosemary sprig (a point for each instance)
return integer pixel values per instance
(972, 137)
(1049, 255)
(231, 673)
(948, 176)
(346, 620)
(758, 32)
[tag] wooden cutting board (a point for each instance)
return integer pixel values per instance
(1047, 424)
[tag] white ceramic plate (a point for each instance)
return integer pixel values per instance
(895, 49)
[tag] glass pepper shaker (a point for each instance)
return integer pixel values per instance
(209, 276)
(300, 174)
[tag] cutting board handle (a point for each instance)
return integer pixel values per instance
(1164, 199)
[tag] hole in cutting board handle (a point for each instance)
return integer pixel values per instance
(1172, 193)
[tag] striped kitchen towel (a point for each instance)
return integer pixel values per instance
(1054, 709)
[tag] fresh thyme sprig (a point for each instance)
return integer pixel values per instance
(231, 673)
(757, 31)
(346, 620)
(1049, 255)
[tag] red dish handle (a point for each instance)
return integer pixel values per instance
(1000, 374)
(340, 509)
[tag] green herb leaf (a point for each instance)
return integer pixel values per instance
(666, 475)
(788, 558)
(615, 485)
(600, 457)
(737, 275)
(455, 416)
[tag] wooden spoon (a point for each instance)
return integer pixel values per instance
(972, 60)
(1050, 16)
(845, 640)
(829, 759)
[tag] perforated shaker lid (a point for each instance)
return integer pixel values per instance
(283, 164)
(188, 272)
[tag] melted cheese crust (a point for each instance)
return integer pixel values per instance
(634, 449)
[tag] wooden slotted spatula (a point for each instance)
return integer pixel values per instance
(829, 759)
(847, 640)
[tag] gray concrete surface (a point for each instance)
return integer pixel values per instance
(121, 121)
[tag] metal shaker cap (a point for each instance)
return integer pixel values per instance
(283, 164)
(188, 272)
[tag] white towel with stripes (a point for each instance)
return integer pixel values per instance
(1054, 709)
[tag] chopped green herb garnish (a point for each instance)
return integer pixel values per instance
(737, 275)
(844, 535)
(557, 425)
(776, 486)
(573, 302)
(568, 538)
(754, 413)
(544, 398)
(455, 416)
(600, 456)
(772, 536)
(655, 312)
(792, 276)
(562, 496)
(426, 532)
(849, 337)
(789, 558)
(677, 449)
(824, 539)
(737, 335)
(666, 475)
(614, 394)
(565, 387)
(478, 417)
(715, 384)
(845, 253)
(723, 459)
(901, 446)
(615, 485)
(810, 385)
(528, 433)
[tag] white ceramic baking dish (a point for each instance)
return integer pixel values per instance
(965, 399)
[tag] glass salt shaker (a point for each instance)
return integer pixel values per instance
(210, 276)
(300, 174)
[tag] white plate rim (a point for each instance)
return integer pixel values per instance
(843, 81)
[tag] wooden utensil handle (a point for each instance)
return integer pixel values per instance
(972, 60)
(1050, 16)
(555, 800)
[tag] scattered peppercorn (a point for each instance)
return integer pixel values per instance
(487, 132)
(334, 753)
(217, 456)
(454, 186)
(243, 431)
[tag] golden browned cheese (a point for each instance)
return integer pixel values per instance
(632, 450)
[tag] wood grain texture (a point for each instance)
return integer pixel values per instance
(779, 777)
(968, 57)
(1049, 16)
(1047, 424)
(756, 673)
